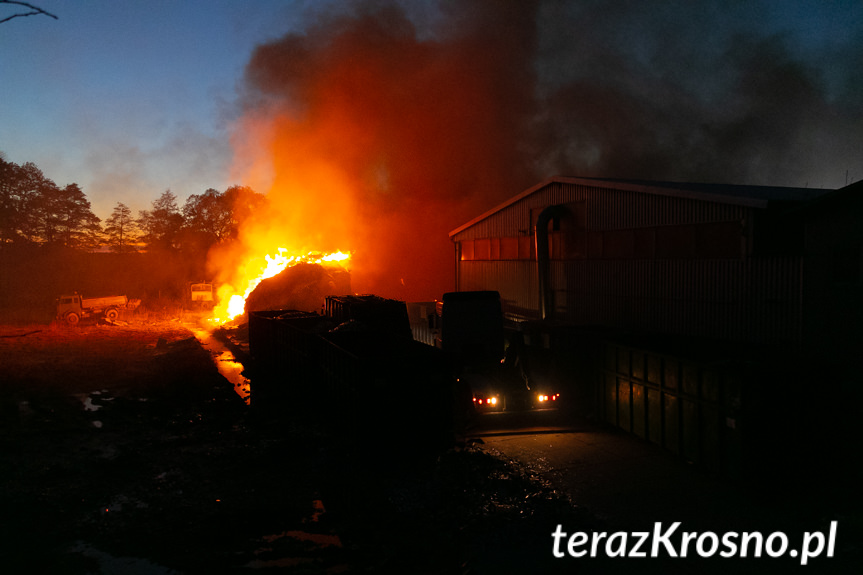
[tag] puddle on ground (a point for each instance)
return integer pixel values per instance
(232, 370)
(226, 363)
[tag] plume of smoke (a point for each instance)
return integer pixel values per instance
(372, 139)
(378, 131)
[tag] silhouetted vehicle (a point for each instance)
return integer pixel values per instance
(356, 368)
(490, 359)
(73, 308)
(202, 295)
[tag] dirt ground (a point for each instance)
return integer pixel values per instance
(122, 449)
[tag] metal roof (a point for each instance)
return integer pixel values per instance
(751, 196)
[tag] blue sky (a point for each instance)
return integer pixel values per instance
(130, 98)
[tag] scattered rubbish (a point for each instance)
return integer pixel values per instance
(163, 344)
(87, 400)
(316, 541)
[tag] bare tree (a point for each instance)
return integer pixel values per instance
(33, 10)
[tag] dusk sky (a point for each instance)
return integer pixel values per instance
(129, 99)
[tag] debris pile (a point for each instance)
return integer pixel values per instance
(300, 287)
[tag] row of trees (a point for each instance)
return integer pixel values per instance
(36, 211)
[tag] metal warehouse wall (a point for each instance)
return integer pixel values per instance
(515, 280)
(754, 300)
(607, 209)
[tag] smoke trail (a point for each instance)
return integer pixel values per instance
(378, 130)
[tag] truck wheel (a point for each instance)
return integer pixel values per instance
(112, 314)
(72, 318)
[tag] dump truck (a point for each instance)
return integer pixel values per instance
(73, 308)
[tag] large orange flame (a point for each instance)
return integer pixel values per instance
(232, 301)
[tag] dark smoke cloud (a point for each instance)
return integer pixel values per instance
(433, 116)
(698, 91)
(424, 132)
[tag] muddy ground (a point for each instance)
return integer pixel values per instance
(122, 449)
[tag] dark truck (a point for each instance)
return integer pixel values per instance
(75, 307)
(355, 368)
(492, 359)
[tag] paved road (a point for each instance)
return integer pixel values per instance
(630, 485)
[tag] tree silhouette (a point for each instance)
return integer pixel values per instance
(161, 225)
(33, 209)
(62, 216)
(209, 214)
(121, 229)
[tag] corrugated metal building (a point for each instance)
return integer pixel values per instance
(708, 260)
(643, 280)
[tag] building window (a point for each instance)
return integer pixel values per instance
(719, 240)
(466, 250)
(509, 248)
(482, 249)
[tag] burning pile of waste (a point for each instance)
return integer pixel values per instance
(317, 275)
(301, 287)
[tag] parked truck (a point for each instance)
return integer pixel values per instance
(202, 294)
(73, 308)
(493, 359)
